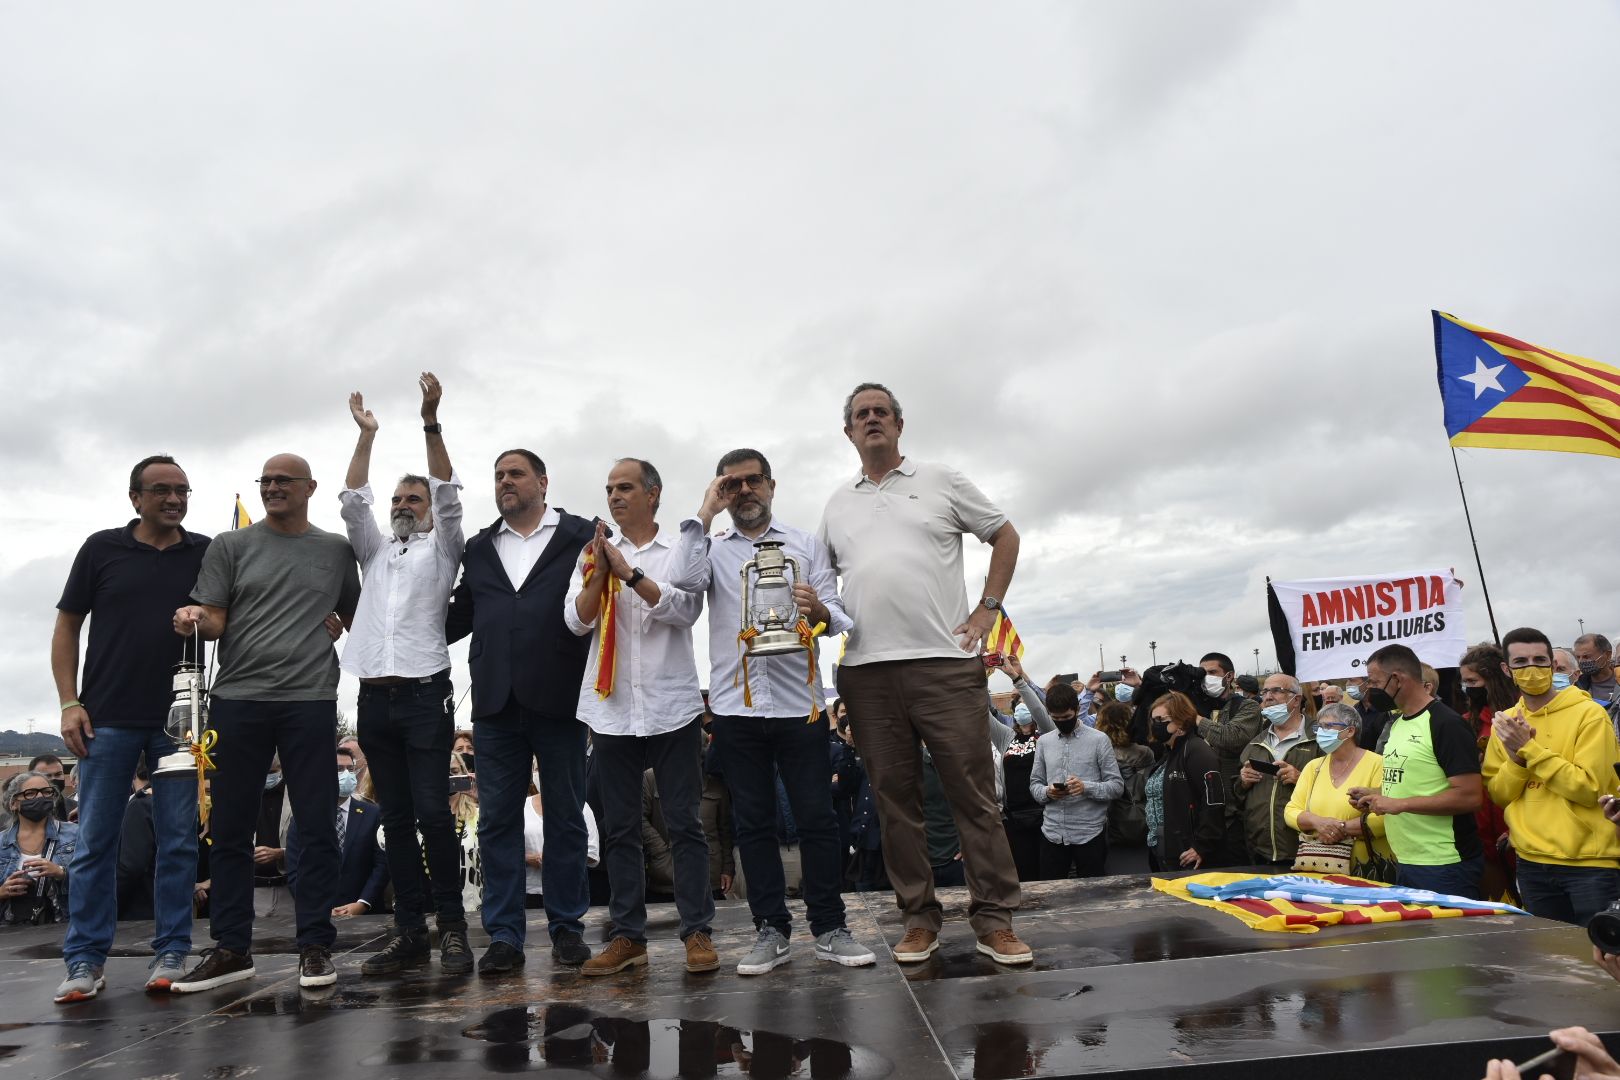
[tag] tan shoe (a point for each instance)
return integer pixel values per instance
(700, 954)
(1003, 947)
(917, 946)
(616, 955)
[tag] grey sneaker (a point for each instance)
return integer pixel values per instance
(840, 947)
(769, 950)
(84, 981)
(166, 971)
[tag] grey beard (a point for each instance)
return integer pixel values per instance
(405, 525)
(756, 514)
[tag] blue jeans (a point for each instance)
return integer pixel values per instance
(405, 731)
(506, 745)
(1453, 879)
(104, 786)
(754, 751)
(1571, 894)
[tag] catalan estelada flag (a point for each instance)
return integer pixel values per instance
(1304, 903)
(1003, 638)
(1505, 393)
(239, 516)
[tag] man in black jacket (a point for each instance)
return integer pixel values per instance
(526, 673)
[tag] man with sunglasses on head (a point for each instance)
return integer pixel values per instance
(265, 593)
(407, 706)
(127, 582)
(775, 724)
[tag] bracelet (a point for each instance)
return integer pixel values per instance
(66, 705)
(433, 429)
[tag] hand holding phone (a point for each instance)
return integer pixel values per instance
(1270, 768)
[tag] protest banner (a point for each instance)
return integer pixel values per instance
(1325, 628)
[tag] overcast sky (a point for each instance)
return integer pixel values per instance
(1156, 275)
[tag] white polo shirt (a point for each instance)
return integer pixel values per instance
(897, 549)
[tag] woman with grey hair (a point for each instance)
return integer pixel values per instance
(1320, 806)
(35, 853)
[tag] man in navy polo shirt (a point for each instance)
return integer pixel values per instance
(128, 582)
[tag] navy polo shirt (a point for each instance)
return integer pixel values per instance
(130, 590)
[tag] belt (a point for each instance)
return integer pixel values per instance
(403, 680)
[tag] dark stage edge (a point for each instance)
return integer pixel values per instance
(1126, 981)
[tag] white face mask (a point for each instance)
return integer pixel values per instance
(1214, 685)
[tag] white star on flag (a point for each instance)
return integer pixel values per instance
(1484, 378)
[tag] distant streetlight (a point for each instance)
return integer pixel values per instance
(1583, 626)
(1257, 661)
(1153, 647)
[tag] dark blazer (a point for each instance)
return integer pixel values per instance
(1194, 802)
(520, 645)
(364, 874)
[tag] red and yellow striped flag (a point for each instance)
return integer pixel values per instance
(1507, 394)
(1003, 639)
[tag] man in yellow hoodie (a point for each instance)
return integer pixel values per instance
(1548, 761)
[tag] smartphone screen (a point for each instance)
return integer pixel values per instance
(1270, 768)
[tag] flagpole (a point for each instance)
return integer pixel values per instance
(1480, 566)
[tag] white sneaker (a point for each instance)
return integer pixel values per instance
(770, 950)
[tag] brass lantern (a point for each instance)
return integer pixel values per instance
(770, 616)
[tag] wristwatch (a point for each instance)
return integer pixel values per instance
(635, 577)
(990, 603)
(433, 429)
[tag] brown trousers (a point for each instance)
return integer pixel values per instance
(941, 701)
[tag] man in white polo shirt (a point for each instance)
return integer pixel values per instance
(912, 670)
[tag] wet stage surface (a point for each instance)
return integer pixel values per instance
(1125, 981)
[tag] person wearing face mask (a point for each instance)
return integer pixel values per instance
(270, 893)
(1320, 804)
(364, 869)
(1075, 778)
(1431, 788)
(35, 855)
(1231, 724)
(1550, 759)
(406, 703)
(1487, 690)
(1288, 742)
(1595, 658)
(1185, 804)
(1021, 813)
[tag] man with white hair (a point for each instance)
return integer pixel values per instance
(1270, 768)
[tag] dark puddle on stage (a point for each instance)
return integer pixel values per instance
(572, 1038)
(1316, 1016)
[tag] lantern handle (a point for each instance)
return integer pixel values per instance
(747, 566)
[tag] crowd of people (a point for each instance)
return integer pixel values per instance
(599, 770)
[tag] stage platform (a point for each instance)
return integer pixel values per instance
(1126, 982)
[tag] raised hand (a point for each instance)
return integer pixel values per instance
(361, 414)
(431, 393)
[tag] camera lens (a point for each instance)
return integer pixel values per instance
(1604, 929)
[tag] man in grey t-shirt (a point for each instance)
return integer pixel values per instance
(265, 593)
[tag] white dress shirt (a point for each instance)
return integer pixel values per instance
(405, 586)
(655, 686)
(714, 566)
(534, 843)
(519, 553)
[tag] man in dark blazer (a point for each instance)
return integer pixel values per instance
(363, 874)
(526, 673)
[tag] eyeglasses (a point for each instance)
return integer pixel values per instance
(280, 481)
(756, 481)
(163, 491)
(1277, 691)
(36, 793)
(1332, 727)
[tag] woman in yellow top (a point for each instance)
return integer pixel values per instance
(1321, 801)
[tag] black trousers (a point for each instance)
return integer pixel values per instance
(251, 733)
(405, 730)
(1088, 859)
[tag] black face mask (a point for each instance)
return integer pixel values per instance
(38, 808)
(1161, 731)
(1316, 699)
(59, 783)
(1379, 699)
(1476, 696)
(1066, 727)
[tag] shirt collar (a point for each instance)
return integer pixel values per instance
(187, 537)
(905, 468)
(731, 531)
(660, 539)
(548, 520)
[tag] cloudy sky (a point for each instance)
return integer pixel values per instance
(1156, 275)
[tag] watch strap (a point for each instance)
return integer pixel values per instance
(433, 429)
(635, 577)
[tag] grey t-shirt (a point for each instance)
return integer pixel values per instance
(277, 591)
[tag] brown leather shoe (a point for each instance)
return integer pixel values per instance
(700, 954)
(917, 946)
(616, 955)
(1003, 947)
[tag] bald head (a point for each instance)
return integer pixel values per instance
(284, 488)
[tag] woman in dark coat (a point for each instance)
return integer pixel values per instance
(1186, 805)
